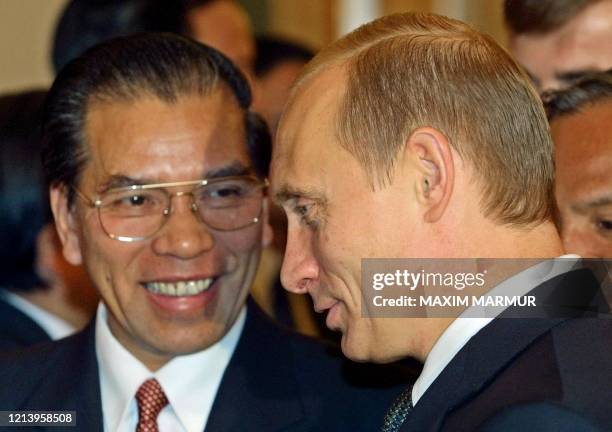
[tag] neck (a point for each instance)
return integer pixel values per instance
(541, 241)
(490, 240)
(431, 332)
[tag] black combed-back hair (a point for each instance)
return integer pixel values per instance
(589, 90)
(162, 65)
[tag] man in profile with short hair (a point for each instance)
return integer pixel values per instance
(557, 42)
(154, 187)
(580, 125)
(415, 136)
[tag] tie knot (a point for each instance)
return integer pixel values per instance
(151, 400)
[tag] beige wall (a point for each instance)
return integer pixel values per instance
(313, 21)
(486, 15)
(26, 28)
(310, 22)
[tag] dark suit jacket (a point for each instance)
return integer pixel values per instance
(563, 364)
(275, 381)
(17, 330)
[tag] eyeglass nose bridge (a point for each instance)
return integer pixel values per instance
(194, 206)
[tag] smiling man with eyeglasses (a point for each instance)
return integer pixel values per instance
(158, 186)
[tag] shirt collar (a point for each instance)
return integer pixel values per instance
(461, 330)
(189, 381)
(53, 325)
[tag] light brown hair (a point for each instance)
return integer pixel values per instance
(413, 70)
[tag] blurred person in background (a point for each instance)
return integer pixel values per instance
(222, 24)
(582, 132)
(277, 66)
(279, 62)
(42, 297)
(559, 41)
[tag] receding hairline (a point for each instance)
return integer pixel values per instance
(301, 86)
(372, 129)
(344, 55)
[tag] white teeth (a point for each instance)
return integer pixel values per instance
(181, 288)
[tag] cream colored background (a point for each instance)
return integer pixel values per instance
(26, 28)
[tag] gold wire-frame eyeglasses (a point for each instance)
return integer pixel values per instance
(138, 212)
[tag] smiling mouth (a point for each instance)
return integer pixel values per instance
(181, 288)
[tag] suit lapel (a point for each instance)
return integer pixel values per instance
(258, 389)
(494, 347)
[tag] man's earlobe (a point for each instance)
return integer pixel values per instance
(66, 224)
(432, 153)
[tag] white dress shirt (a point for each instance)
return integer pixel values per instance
(461, 330)
(190, 382)
(53, 325)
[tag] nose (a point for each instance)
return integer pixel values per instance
(300, 270)
(183, 235)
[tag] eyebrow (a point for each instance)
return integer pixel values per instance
(234, 169)
(573, 76)
(288, 193)
(119, 181)
(596, 203)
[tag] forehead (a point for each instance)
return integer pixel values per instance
(151, 139)
(583, 146)
(224, 25)
(306, 141)
(587, 39)
(582, 44)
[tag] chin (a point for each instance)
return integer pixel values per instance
(354, 349)
(361, 351)
(189, 342)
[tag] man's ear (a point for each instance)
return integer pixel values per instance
(432, 152)
(66, 224)
(268, 233)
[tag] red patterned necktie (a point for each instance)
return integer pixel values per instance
(151, 400)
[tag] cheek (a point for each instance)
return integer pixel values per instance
(242, 242)
(581, 239)
(108, 260)
(338, 252)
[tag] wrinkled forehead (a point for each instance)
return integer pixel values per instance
(158, 140)
(586, 131)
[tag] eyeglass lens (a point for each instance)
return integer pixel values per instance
(222, 205)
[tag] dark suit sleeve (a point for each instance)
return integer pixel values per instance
(538, 417)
